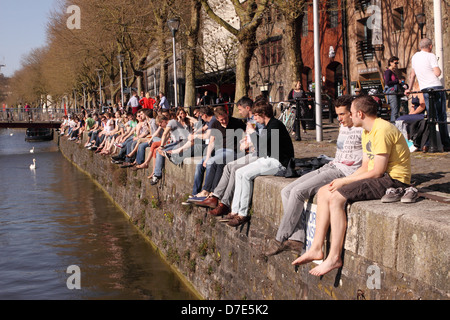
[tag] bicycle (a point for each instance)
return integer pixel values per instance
(287, 115)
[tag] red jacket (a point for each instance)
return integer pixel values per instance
(147, 103)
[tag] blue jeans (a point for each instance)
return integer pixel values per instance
(140, 154)
(394, 102)
(160, 160)
(220, 158)
(215, 166)
(123, 151)
(245, 176)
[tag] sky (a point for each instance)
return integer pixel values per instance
(22, 28)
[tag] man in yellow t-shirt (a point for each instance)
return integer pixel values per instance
(386, 164)
(385, 139)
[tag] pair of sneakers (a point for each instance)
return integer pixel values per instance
(408, 195)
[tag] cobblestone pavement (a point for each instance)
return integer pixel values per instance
(430, 171)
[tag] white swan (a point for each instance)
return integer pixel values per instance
(32, 150)
(33, 166)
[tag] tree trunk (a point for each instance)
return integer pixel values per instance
(139, 84)
(162, 52)
(293, 48)
(247, 47)
(192, 40)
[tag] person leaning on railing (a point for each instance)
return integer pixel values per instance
(426, 68)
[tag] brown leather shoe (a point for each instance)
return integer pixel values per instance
(220, 210)
(210, 202)
(238, 220)
(228, 217)
(274, 248)
(292, 245)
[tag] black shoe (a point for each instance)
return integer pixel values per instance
(155, 180)
(116, 161)
(117, 158)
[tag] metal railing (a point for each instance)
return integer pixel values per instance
(31, 114)
(308, 119)
(431, 113)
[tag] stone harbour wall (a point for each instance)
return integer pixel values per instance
(392, 251)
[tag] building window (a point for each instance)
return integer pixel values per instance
(271, 53)
(305, 24)
(399, 19)
(333, 13)
(364, 48)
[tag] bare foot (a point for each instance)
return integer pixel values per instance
(308, 256)
(142, 166)
(326, 266)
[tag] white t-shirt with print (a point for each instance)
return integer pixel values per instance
(349, 150)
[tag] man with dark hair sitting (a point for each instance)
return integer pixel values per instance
(223, 141)
(270, 160)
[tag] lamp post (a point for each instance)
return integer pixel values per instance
(174, 24)
(120, 57)
(99, 73)
(317, 72)
(421, 20)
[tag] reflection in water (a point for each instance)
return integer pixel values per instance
(55, 217)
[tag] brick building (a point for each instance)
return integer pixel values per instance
(357, 39)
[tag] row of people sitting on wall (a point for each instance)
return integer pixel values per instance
(372, 161)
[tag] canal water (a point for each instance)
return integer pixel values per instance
(61, 238)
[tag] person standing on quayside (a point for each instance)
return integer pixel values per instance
(163, 103)
(391, 87)
(298, 93)
(426, 68)
(205, 100)
(134, 103)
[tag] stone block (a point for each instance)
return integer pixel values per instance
(372, 230)
(423, 244)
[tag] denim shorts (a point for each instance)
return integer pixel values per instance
(369, 189)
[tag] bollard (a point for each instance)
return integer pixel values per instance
(432, 122)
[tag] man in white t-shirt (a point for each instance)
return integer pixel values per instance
(133, 103)
(426, 69)
(348, 158)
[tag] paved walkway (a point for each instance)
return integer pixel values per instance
(430, 171)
